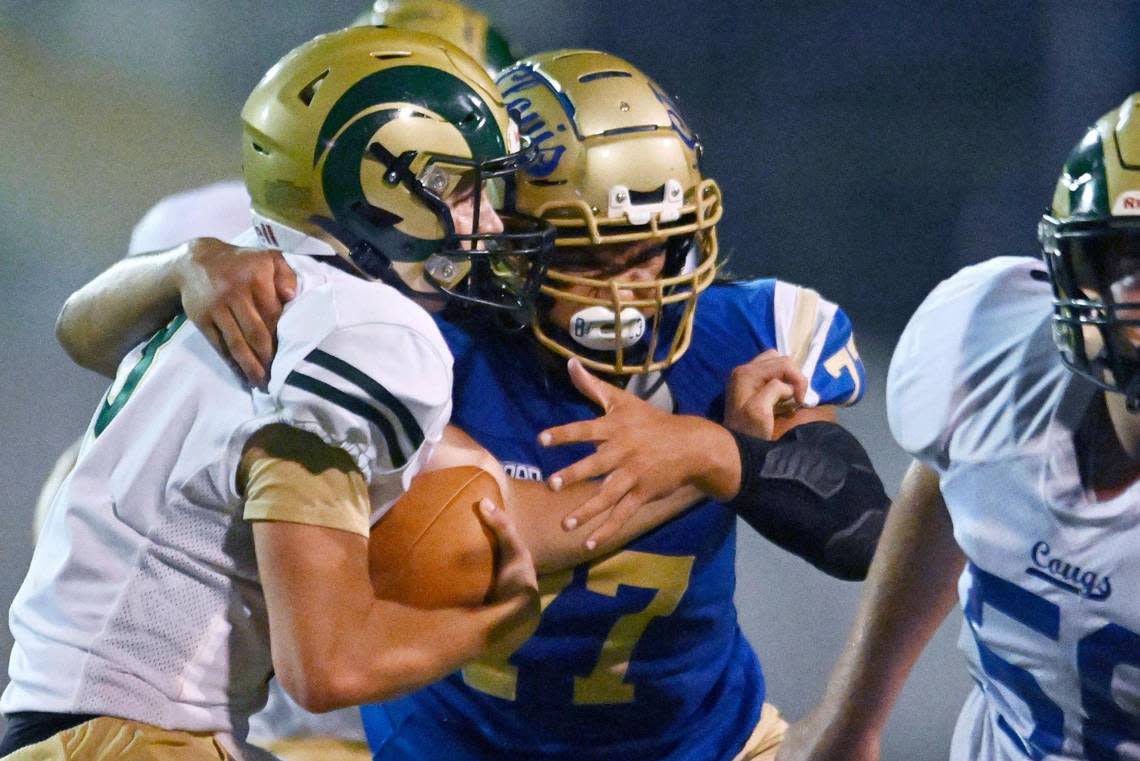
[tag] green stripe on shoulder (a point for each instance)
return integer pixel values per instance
(356, 406)
(366, 383)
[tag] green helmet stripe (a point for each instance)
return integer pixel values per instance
(497, 50)
(344, 193)
(438, 91)
(1089, 196)
(429, 88)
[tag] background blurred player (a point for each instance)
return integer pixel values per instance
(1026, 473)
(204, 519)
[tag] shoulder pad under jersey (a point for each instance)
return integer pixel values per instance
(963, 352)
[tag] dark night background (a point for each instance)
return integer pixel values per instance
(866, 149)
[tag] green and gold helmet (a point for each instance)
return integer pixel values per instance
(616, 164)
(353, 143)
(1090, 239)
(465, 28)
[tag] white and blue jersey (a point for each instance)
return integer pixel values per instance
(978, 392)
(638, 654)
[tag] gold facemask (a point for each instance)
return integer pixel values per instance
(616, 164)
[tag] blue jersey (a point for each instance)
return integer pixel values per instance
(638, 654)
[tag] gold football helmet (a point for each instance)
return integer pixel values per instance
(1090, 239)
(616, 164)
(355, 140)
(465, 28)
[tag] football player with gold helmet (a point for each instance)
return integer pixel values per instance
(664, 673)
(221, 211)
(211, 534)
(639, 654)
(1016, 388)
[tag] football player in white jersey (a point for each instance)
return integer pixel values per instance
(1024, 489)
(789, 318)
(204, 518)
(221, 211)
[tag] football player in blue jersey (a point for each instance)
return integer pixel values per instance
(639, 654)
(1024, 493)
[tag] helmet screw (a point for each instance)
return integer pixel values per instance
(447, 270)
(624, 106)
(619, 197)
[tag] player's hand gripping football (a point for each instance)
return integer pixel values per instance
(516, 586)
(235, 297)
(644, 453)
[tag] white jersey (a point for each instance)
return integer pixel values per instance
(221, 210)
(977, 391)
(143, 599)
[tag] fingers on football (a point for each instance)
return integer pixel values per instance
(516, 568)
(236, 347)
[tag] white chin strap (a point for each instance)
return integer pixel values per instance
(593, 327)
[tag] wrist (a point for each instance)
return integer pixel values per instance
(719, 462)
(181, 260)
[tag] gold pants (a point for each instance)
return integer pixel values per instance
(766, 738)
(318, 749)
(107, 738)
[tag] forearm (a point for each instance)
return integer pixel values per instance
(395, 649)
(337, 642)
(814, 493)
(910, 588)
(538, 512)
(131, 300)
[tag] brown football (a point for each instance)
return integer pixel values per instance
(431, 549)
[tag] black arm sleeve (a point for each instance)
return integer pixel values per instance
(814, 493)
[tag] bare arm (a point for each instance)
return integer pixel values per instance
(233, 295)
(909, 590)
(131, 300)
(336, 643)
(335, 640)
(539, 512)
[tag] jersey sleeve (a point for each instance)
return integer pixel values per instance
(960, 351)
(218, 211)
(379, 391)
(819, 336)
